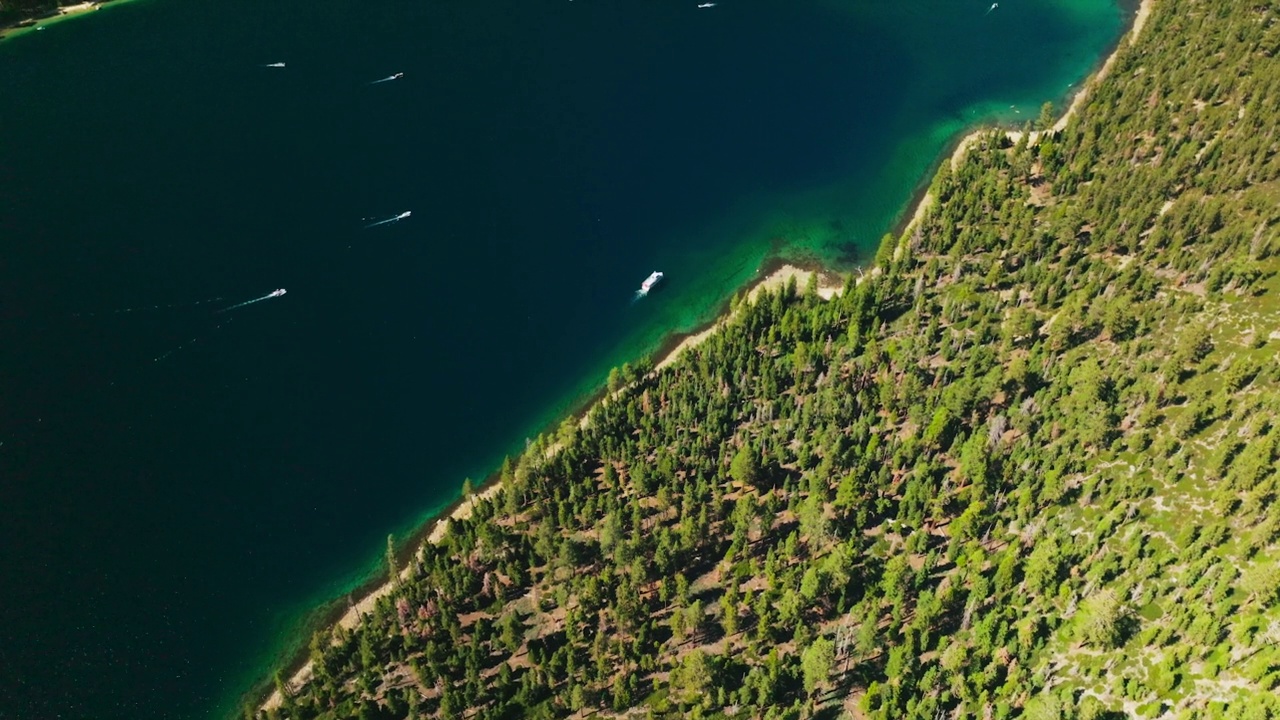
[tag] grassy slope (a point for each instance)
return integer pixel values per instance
(1026, 468)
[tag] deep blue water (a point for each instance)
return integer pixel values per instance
(166, 525)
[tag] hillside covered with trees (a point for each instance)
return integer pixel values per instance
(1024, 468)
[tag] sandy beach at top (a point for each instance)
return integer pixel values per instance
(829, 285)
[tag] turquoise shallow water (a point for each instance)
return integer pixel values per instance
(169, 525)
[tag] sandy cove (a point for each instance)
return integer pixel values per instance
(829, 284)
(1140, 18)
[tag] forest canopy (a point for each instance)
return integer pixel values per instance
(1024, 467)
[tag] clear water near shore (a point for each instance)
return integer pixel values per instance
(168, 526)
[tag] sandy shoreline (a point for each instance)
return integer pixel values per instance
(62, 13)
(829, 284)
(356, 612)
(1141, 15)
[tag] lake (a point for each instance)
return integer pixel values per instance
(182, 487)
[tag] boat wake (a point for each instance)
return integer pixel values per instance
(397, 218)
(268, 296)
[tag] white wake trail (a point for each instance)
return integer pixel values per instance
(397, 218)
(268, 296)
(190, 342)
(144, 308)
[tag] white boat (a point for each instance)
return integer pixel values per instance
(649, 282)
(707, 5)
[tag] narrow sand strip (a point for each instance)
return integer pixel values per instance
(39, 23)
(1139, 22)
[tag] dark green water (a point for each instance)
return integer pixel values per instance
(165, 527)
